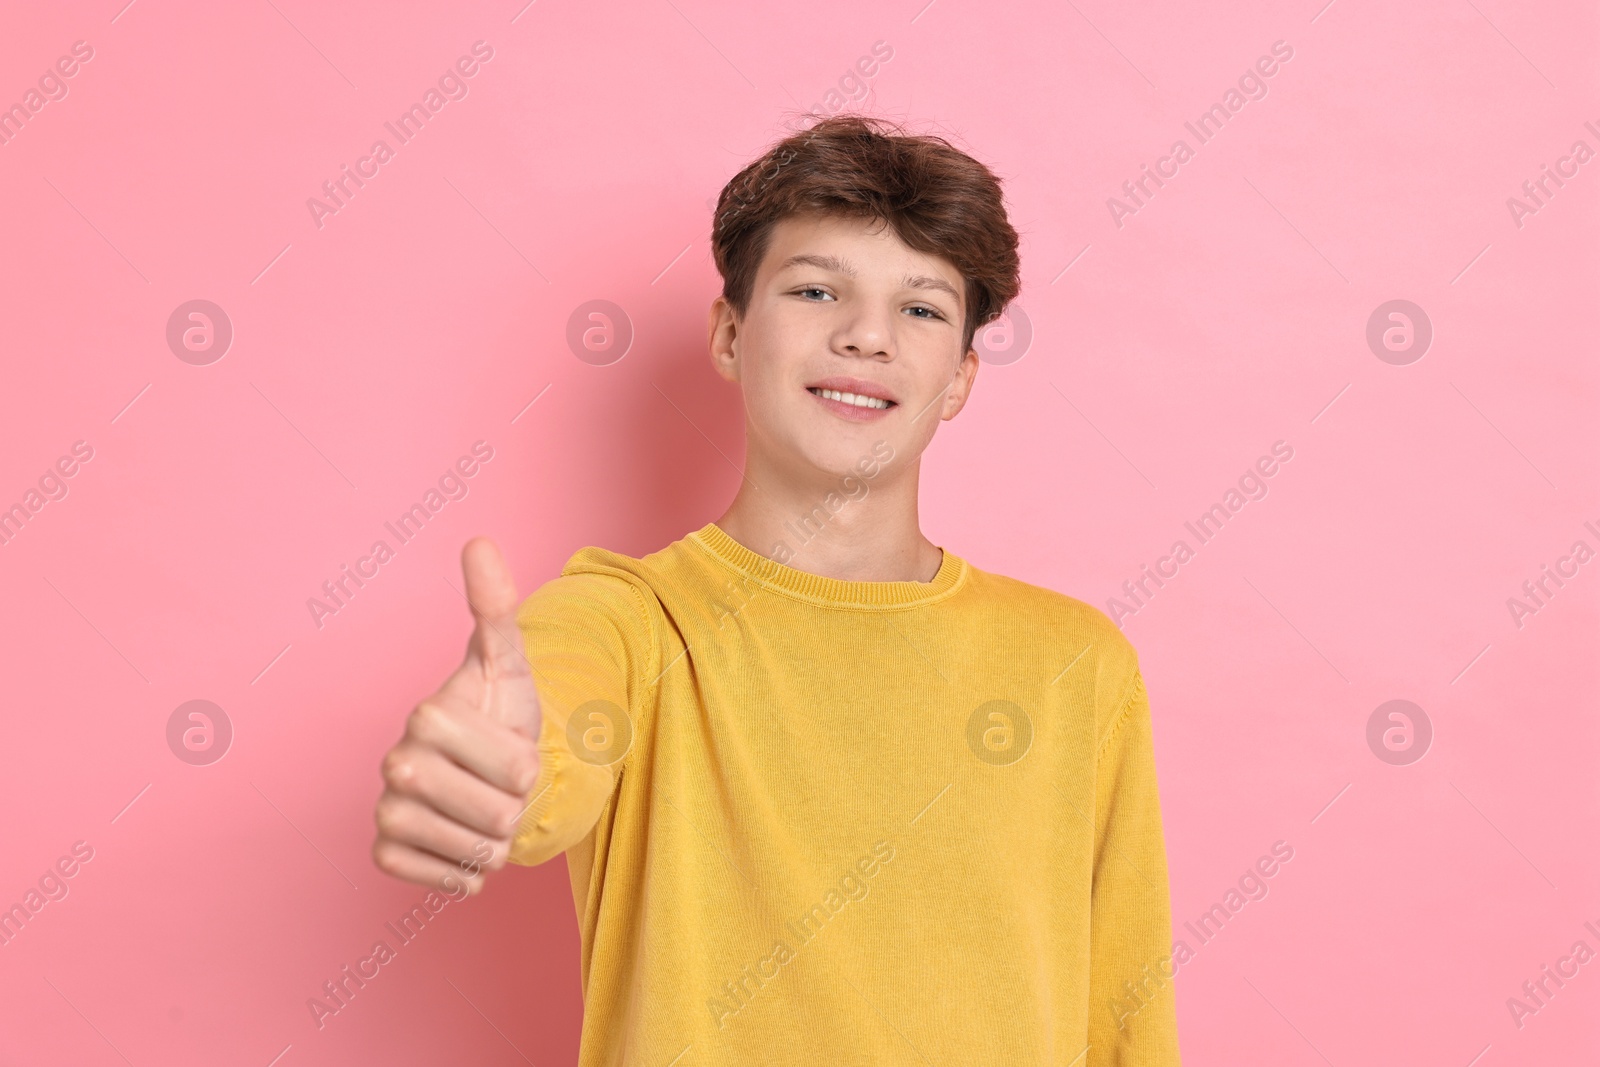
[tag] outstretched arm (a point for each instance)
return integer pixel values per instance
(589, 644)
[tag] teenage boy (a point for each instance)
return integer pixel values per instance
(828, 793)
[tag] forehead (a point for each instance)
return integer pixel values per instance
(858, 245)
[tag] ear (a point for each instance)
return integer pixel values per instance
(955, 398)
(722, 330)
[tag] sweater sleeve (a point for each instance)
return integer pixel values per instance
(1132, 1012)
(587, 637)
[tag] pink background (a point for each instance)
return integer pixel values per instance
(1167, 354)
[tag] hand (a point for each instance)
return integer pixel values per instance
(457, 783)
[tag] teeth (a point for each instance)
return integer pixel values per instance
(852, 398)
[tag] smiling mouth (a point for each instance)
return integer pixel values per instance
(854, 399)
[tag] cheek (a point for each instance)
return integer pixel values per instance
(937, 375)
(764, 401)
(774, 358)
(771, 395)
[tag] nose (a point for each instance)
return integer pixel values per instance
(869, 333)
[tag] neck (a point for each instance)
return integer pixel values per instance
(854, 529)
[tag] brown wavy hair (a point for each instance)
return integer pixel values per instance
(939, 201)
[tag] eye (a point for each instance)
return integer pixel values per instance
(932, 311)
(813, 289)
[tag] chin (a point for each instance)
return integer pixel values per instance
(848, 454)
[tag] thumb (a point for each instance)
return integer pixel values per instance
(492, 595)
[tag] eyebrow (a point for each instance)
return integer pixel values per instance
(834, 263)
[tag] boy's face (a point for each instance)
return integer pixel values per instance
(844, 304)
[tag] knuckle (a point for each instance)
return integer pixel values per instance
(427, 721)
(399, 769)
(525, 771)
(388, 815)
(386, 856)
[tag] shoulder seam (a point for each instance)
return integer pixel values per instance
(1121, 716)
(653, 657)
(631, 581)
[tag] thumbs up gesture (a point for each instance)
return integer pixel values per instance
(457, 782)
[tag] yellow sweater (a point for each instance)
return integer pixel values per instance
(823, 822)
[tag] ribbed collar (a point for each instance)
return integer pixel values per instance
(818, 589)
